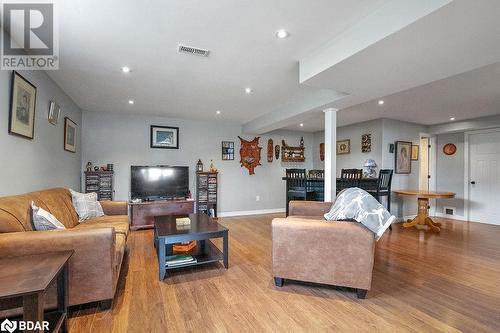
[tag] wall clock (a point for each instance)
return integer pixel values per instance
(449, 149)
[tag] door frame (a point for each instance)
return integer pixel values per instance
(432, 167)
(467, 166)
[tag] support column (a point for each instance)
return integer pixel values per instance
(330, 154)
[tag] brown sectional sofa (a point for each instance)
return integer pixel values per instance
(99, 244)
(308, 248)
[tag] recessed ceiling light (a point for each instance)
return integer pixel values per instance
(452, 118)
(282, 34)
(218, 111)
(248, 90)
(381, 102)
(301, 125)
(125, 69)
(130, 101)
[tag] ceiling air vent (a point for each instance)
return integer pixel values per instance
(193, 51)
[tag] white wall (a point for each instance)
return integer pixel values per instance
(124, 141)
(29, 165)
(450, 173)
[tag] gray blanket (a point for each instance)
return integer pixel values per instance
(357, 204)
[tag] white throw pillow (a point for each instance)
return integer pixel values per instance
(86, 205)
(43, 220)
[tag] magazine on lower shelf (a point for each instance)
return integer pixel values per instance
(179, 259)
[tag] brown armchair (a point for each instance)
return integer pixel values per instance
(308, 248)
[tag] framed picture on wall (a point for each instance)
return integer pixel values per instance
(69, 135)
(54, 112)
(164, 137)
(414, 152)
(403, 157)
(22, 107)
(227, 150)
(343, 147)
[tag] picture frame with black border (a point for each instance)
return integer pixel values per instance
(227, 150)
(22, 107)
(164, 137)
(70, 135)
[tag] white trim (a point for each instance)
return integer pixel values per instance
(451, 217)
(467, 167)
(252, 212)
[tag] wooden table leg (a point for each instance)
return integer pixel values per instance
(161, 258)
(422, 217)
(225, 249)
(33, 309)
(62, 297)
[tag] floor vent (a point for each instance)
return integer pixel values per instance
(193, 51)
(449, 210)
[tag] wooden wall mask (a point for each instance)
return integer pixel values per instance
(250, 154)
(322, 151)
(270, 150)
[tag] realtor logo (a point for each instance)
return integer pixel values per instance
(8, 326)
(29, 36)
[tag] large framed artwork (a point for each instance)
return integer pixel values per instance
(22, 107)
(69, 135)
(403, 157)
(165, 137)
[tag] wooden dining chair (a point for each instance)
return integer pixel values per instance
(383, 188)
(349, 178)
(296, 186)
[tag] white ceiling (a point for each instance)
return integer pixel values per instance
(98, 37)
(439, 65)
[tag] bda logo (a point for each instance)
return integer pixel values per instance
(8, 326)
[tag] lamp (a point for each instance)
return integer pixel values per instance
(370, 166)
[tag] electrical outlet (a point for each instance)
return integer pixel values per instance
(257, 198)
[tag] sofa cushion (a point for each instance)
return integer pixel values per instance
(86, 205)
(118, 222)
(15, 212)
(43, 220)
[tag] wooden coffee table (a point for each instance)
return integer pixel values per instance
(29, 277)
(201, 229)
(423, 197)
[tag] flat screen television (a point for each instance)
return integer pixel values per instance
(159, 182)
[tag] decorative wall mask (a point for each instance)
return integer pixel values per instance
(366, 143)
(277, 152)
(322, 151)
(270, 147)
(250, 154)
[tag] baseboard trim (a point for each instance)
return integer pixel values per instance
(452, 217)
(252, 212)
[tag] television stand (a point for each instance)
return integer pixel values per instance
(142, 213)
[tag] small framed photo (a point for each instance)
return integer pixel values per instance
(227, 150)
(22, 107)
(69, 135)
(54, 112)
(414, 152)
(164, 137)
(343, 147)
(403, 157)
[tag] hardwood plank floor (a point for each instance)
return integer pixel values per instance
(422, 282)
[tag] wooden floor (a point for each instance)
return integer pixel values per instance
(423, 282)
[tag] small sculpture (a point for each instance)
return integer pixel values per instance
(199, 166)
(212, 166)
(89, 166)
(96, 168)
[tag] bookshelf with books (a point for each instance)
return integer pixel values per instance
(100, 182)
(206, 192)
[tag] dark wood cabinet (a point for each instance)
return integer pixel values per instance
(206, 192)
(100, 182)
(142, 213)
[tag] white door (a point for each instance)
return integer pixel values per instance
(484, 177)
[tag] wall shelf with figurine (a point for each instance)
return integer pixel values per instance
(293, 154)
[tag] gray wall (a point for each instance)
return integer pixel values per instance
(394, 130)
(29, 165)
(124, 141)
(353, 132)
(450, 172)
